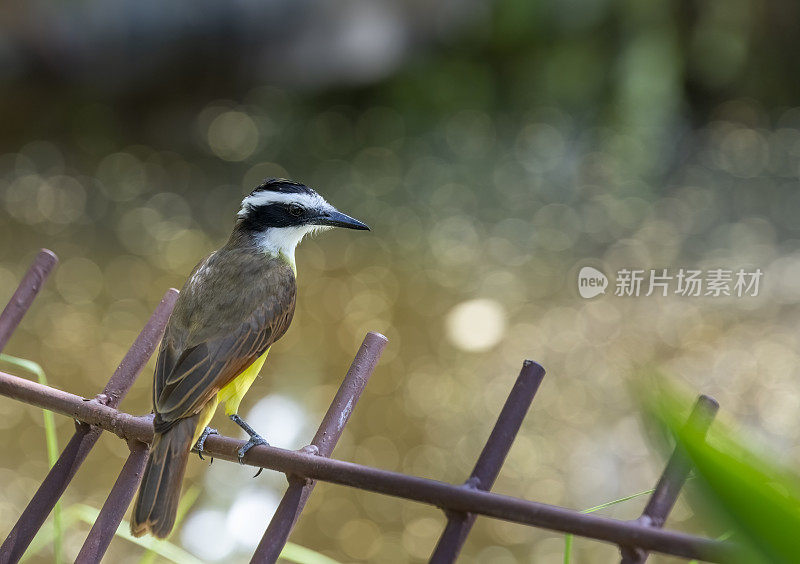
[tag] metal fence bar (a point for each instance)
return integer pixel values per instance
(491, 458)
(25, 293)
(117, 502)
(433, 492)
(672, 479)
(325, 439)
(12, 315)
(84, 439)
(49, 492)
(461, 503)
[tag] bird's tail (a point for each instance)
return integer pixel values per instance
(157, 502)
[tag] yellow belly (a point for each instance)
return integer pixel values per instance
(231, 395)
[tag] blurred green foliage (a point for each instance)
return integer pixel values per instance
(492, 163)
(747, 491)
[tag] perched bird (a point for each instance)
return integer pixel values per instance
(237, 302)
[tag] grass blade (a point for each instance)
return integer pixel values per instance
(162, 548)
(568, 538)
(302, 555)
(52, 444)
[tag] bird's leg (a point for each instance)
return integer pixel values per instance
(255, 438)
(202, 441)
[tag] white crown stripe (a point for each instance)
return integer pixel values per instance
(266, 198)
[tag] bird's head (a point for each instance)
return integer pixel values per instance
(280, 212)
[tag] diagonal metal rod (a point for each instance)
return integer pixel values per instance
(672, 479)
(433, 492)
(294, 500)
(61, 474)
(491, 458)
(117, 502)
(49, 492)
(26, 292)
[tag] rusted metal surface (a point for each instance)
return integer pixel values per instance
(84, 439)
(672, 480)
(491, 458)
(325, 439)
(114, 508)
(461, 503)
(77, 407)
(439, 494)
(26, 292)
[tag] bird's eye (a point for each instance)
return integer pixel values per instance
(296, 210)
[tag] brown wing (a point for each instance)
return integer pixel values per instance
(188, 373)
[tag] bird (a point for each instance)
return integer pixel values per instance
(235, 304)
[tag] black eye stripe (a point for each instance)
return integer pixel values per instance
(258, 218)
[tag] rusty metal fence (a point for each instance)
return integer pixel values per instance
(460, 503)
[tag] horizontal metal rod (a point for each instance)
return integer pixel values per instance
(439, 494)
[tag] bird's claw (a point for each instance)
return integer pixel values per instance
(255, 440)
(202, 441)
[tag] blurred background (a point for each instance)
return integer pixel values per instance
(494, 147)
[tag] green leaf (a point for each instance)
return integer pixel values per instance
(760, 500)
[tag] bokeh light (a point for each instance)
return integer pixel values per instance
(249, 514)
(233, 136)
(476, 325)
(200, 528)
(493, 148)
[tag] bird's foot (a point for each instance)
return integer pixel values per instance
(202, 441)
(255, 438)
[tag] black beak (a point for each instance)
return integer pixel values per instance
(335, 218)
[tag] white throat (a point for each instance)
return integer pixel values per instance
(277, 241)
